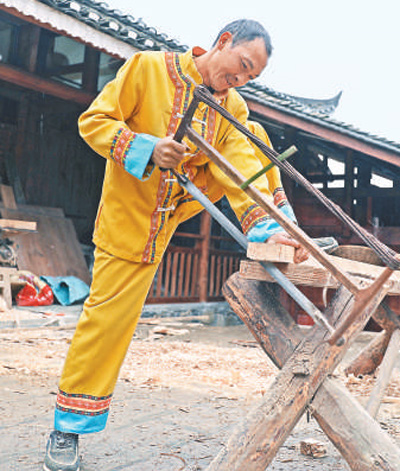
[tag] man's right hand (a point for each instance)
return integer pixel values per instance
(168, 153)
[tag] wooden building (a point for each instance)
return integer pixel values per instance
(55, 55)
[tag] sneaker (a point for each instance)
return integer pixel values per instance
(327, 244)
(62, 452)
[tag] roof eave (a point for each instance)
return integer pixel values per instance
(326, 130)
(47, 17)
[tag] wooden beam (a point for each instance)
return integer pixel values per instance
(323, 131)
(255, 442)
(385, 373)
(333, 407)
(30, 81)
(358, 437)
(15, 224)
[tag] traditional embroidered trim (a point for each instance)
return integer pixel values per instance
(252, 216)
(121, 144)
(183, 87)
(179, 80)
(162, 220)
(279, 197)
(82, 403)
(186, 81)
(155, 217)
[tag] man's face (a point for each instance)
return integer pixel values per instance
(234, 66)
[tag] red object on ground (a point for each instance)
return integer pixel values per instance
(304, 319)
(29, 296)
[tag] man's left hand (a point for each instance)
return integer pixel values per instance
(300, 254)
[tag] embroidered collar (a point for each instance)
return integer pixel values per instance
(190, 69)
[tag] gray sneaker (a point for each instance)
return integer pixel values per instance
(62, 452)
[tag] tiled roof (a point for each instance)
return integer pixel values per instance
(136, 33)
(116, 23)
(294, 106)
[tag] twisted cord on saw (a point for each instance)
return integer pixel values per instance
(386, 254)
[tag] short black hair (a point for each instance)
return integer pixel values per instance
(246, 30)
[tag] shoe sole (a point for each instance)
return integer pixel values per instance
(45, 468)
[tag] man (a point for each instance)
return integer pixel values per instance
(131, 123)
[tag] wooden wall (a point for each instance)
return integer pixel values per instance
(55, 167)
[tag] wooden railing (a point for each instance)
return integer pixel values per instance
(187, 272)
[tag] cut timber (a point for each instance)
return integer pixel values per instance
(53, 250)
(15, 224)
(276, 253)
(7, 196)
(312, 273)
(354, 432)
(313, 448)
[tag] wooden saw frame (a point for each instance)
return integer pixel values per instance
(306, 360)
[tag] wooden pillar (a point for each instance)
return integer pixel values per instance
(364, 179)
(91, 69)
(349, 182)
(205, 232)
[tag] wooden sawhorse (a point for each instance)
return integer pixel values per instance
(306, 361)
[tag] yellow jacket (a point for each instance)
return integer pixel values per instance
(140, 205)
(273, 175)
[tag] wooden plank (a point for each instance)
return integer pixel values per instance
(211, 288)
(357, 436)
(194, 287)
(7, 196)
(188, 274)
(275, 253)
(30, 81)
(181, 275)
(385, 373)
(312, 273)
(167, 273)
(18, 225)
(255, 442)
(53, 250)
(174, 274)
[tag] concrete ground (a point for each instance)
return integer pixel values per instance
(169, 421)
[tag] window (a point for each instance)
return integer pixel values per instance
(7, 41)
(64, 60)
(108, 69)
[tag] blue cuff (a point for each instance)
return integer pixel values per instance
(287, 210)
(137, 160)
(265, 229)
(69, 422)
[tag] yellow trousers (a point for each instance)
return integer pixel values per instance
(103, 334)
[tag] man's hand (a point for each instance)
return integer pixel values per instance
(300, 254)
(168, 153)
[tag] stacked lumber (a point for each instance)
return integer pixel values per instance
(44, 239)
